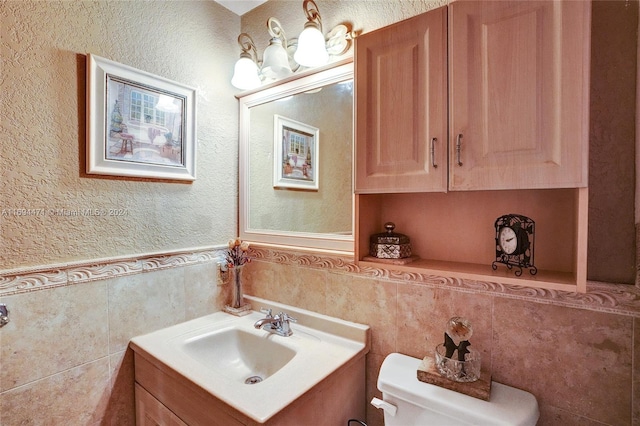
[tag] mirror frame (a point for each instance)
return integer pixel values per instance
(309, 80)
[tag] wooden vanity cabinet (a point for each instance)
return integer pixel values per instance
(509, 81)
(151, 412)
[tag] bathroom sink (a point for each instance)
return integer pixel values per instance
(239, 354)
(254, 372)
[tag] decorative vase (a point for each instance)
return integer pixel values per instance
(236, 291)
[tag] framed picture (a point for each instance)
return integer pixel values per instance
(295, 162)
(138, 124)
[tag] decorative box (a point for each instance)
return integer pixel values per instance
(389, 245)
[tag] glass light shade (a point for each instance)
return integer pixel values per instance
(276, 61)
(312, 50)
(245, 74)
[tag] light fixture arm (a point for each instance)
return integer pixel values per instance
(248, 47)
(276, 30)
(339, 40)
(313, 13)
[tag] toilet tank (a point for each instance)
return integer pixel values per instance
(420, 403)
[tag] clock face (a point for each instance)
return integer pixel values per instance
(508, 240)
(514, 239)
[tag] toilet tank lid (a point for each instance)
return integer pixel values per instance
(507, 405)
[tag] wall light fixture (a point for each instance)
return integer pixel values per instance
(245, 72)
(275, 63)
(312, 49)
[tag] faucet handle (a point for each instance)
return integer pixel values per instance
(267, 311)
(285, 317)
(284, 320)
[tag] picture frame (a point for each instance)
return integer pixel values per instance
(138, 124)
(296, 156)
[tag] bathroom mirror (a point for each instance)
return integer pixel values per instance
(296, 158)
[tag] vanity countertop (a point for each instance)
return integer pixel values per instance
(318, 347)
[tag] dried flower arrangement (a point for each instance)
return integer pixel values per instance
(238, 253)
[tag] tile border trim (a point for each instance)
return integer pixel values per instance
(604, 297)
(621, 299)
(24, 280)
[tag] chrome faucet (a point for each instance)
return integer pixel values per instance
(276, 325)
(269, 319)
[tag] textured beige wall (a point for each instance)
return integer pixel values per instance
(64, 354)
(42, 94)
(361, 15)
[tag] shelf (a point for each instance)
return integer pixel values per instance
(554, 280)
(453, 234)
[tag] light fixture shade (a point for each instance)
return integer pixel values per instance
(275, 60)
(245, 74)
(312, 50)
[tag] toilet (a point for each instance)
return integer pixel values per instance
(406, 401)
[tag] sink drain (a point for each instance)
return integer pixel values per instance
(253, 380)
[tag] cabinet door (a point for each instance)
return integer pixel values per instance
(519, 94)
(151, 412)
(401, 110)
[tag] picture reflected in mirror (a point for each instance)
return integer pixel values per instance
(325, 209)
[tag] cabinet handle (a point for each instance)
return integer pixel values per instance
(459, 148)
(433, 152)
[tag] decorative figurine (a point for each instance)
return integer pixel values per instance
(466, 366)
(456, 366)
(456, 337)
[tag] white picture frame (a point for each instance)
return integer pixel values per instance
(296, 156)
(138, 124)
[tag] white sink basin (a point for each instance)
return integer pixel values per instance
(220, 352)
(238, 354)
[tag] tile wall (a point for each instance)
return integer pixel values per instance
(578, 354)
(65, 359)
(64, 354)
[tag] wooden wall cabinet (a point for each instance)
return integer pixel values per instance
(401, 106)
(506, 84)
(517, 104)
(519, 90)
